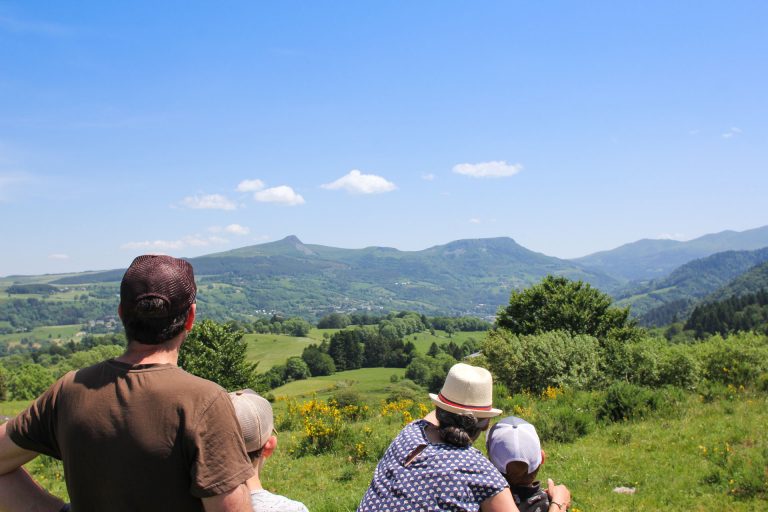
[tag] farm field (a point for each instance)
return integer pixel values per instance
(423, 340)
(60, 333)
(372, 382)
(272, 349)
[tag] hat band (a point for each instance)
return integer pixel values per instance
(456, 404)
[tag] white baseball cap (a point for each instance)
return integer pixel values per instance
(513, 440)
(254, 413)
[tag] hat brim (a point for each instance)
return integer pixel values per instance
(482, 413)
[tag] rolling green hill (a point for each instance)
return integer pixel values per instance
(660, 301)
(654, 259)
(752, 281)
(462, 277)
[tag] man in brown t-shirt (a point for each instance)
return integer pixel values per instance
(135, 433)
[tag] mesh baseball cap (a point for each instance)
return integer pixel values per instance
(157, 276)
(254, 413)
(513, 440)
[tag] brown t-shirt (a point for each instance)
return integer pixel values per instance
(137, 438)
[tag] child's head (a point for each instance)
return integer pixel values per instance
(254, 413)
(515, 450)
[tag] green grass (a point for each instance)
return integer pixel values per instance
(423, 340)
(318, 334)
(12, 408)
(661, 458)
(369, 381)
(690, 459)
(273, 349)
(62, 333)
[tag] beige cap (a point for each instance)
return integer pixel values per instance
(254, 413)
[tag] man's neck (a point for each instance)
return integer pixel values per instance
(254, 483)
(141, 353)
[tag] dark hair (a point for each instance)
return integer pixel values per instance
(517, 473)
(149, 322)
(459, 429)
(254, 455)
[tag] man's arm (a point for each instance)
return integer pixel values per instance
(12, 456)
(18, 492)
(236, 500)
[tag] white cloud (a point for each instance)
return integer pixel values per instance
(237, 229)
(428, 177)
(175, 245)
(208, 202)
(474, 220)
(282, 194)
(670, 236)
(495, 169)
(733, 132)
(58, 256)
(358, 183)
(250, 185)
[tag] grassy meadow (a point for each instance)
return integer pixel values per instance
(57, 333)
(702, 452)
(273, 349)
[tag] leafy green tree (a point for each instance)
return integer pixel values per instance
(334, 321)
(318, 361)
(296, 369)
(297, 327)
(346, 348)
(28, 381)
(217, 352)
(271, 379)
(557, 303)
(429, 371)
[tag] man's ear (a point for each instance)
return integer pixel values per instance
(120, 311)
(190, 317)
(543, 456)
(269, 447)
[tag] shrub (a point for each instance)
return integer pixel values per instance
(536, 362)
(625, 401)
(322, 425)
(738, 359)
(762, 383)
(564, 424)
(652, 362)
(405, 390)
(347, 396)
(679, 367)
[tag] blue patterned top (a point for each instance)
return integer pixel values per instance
(441, 477)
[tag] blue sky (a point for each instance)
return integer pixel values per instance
(196, 127)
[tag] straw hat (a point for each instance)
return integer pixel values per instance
(467, 390)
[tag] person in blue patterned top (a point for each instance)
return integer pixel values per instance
(432, 466)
